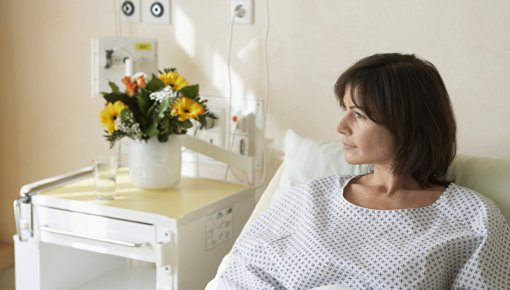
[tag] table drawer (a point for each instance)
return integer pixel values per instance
(96, 233)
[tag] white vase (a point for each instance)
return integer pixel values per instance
(155, 164)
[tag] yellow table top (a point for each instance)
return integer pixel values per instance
(190, 194)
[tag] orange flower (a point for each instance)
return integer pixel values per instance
(130, 86)
(140, 82)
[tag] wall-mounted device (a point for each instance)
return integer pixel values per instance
(129, 10)
(240, 132)
(115, 57)
(146, 11)
(156, 11)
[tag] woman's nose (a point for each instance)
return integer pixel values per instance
(342, 127)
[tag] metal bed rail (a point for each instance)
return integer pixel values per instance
(29, 190)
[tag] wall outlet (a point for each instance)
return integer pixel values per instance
(241, 145)
(129, 10)
(156, 11)
(241, 11)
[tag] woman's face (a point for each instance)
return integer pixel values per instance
(365, 142)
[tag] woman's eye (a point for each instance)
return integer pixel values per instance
(358, 115)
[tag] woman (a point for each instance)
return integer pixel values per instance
(401, 226)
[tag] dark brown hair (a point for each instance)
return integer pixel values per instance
(406, 95)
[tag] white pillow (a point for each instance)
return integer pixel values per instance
(308, 158)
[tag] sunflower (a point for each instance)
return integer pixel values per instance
(173, 79)
(186, 108)
(109, 114)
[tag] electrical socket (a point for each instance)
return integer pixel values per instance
(241, 145)
(156, 11)
(241, 11)
(129, 10)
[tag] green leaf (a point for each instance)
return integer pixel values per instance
(164, 130)
(163, 107)
(114, 87)
(202, 119)
(155, 84)
(162, 138)
(212, 116)
(152, 131)
(144, 102)
(123, 114)
(187, 124)
(113, 97)
(165, 126)
(190, 91)
(113, 137)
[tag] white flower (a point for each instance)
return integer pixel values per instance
(128, 125)
(138, 74)
(162, 95)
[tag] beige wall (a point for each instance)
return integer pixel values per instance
(49, 123)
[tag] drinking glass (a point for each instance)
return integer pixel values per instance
(105, 178)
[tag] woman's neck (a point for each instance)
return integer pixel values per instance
(389, 183)
(385, 191)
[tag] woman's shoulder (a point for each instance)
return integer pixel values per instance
(467, 197)
(472, 206)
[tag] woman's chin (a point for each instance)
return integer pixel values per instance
(352, 160)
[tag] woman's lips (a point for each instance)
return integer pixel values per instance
(348, 146)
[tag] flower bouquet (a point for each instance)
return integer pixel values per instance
(149, 112)
(155, 108)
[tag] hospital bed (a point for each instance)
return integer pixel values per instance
(306, 158)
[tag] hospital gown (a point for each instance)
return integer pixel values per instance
(313, 236)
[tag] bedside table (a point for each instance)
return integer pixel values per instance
(143, 239)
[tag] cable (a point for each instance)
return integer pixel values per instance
(229, 77)
(266, 98)
(238, 12)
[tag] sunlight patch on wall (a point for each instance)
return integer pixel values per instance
(219, 73)
(250, 94)
(249, 50)
(237, 84)
(220, 77)
(185, 32)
